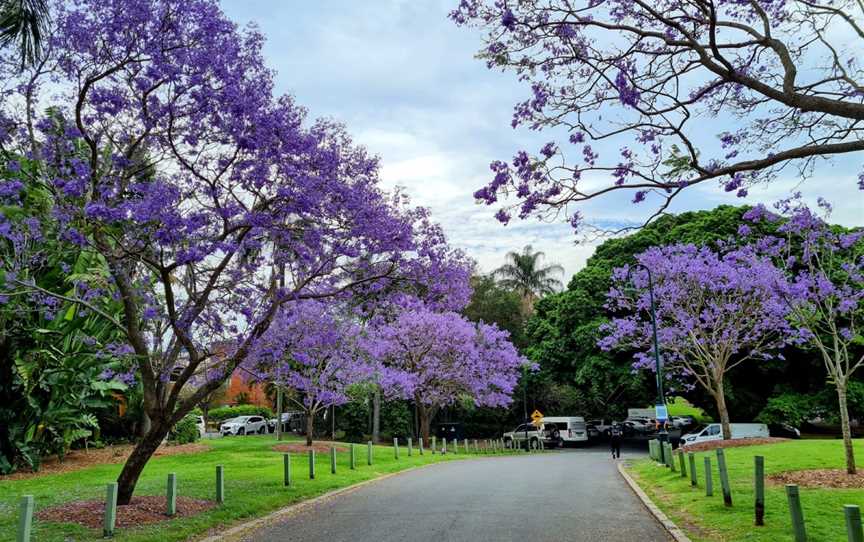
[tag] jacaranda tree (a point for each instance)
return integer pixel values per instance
(714, 310)
(824, 292)
(212, 202)
(311, 348)
(646, 78)
(440, 358)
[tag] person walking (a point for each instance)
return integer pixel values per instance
(615, 435)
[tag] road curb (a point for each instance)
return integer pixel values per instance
(235, 533)
(673, 530)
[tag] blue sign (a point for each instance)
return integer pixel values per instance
(662, 413)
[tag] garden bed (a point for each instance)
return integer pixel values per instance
(142, 510)
(82, 459)
(301, 448)
(733, 443)
(825, 478)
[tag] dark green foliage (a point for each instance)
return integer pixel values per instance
(396, 419)
(223, 413)
(494, 304)
(185, 431)
(790, 407)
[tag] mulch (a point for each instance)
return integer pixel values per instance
(142, 510)
(824, 478)
(733, 443)
(301, 448)
(81, 459)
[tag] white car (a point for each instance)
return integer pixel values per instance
(713, 431)
(244, 425)
(569, 429)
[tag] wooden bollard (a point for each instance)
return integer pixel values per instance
(220, 484)
(25, 519)
(854, 530)
(671, 457)
(724, 477)
(410, 448)
(795, 512)
(691, 457)
(759, 489)
(476, 448)
(420, 445)
(709, 483)
(171, 495)
(434, 444)
(444, 446)
(311, 464)
(369, 453)
(395, 448)
(110, 519)
(286, 469)
(332, 459)
(352, 456)
(681, 464)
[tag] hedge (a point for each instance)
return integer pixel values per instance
(223, 413)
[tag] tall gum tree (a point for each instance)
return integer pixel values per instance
(248, 206)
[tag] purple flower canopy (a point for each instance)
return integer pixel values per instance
(312, 348)
(439, 358)
(212, 201)
(713, 309)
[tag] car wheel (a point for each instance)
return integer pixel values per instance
(241, 431)
(262, 431)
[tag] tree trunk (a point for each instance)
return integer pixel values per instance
(376, 415)
(278, 412)
(138, 459)
(425, 422)
(720, 398)
(844, 425)
(310, 426)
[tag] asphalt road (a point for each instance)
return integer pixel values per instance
(572, 495)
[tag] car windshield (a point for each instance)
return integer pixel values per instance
(241, 419)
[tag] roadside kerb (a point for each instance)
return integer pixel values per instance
(674, 531)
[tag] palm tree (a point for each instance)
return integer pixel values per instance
(524, 275)
(24, 22)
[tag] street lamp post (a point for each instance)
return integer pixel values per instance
(662, 434)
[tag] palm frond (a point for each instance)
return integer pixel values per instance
(24, 22)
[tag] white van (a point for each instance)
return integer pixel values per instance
(570, 429)
(713, 431)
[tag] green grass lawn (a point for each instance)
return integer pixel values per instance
(706, 519)
(253, 486)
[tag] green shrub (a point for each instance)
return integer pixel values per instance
(790, 407)
(396, 419)
(218, 415)
(185, 431)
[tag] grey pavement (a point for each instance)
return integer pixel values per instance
(572, 495)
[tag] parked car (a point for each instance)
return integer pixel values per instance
(601, 426)
(529, 434)
(569, 429)
(713, 431)
(286, 422)
(783, 430)
(244, 425)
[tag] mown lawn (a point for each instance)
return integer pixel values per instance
(253, 486)
(707, 519)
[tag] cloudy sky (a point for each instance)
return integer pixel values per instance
(404, 80)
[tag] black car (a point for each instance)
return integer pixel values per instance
(783, 430)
